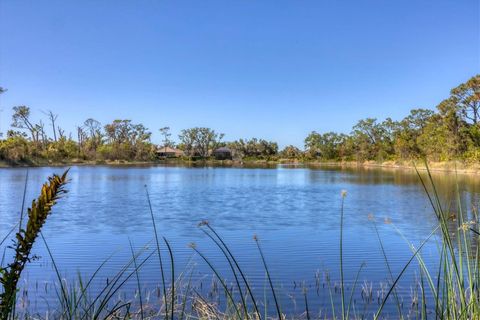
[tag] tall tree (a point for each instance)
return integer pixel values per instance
(165, 132)
(467, 98)
(94, 129)
(53, 118)
(206, 140)
(187, 139)
(367, 133)
(454, 127)
(326, 146)
(2, 90)
(199, 141)
(21, 120)
(409, 130)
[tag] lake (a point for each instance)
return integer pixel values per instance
(294, 211)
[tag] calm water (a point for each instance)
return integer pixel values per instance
(294, 211)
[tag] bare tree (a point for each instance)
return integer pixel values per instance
(61, 133)
(40, 132)
(2, 90)
(53, 118)
(93, 127)
(94, 130)
(81, 136)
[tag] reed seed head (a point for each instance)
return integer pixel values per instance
(466, 225)
(203, 223)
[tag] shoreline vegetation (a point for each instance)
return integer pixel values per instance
(453, 286)
(457, 167)
(448, 137)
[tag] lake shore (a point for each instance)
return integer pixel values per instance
(446, 167)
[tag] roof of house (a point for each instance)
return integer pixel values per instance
(222, 149)
(168, 150)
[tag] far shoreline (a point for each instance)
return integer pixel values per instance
(458, 167)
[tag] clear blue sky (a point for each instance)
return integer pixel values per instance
(271, 69)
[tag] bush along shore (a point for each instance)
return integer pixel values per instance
(453, 285)
(448, 132)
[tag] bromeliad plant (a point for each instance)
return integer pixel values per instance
(25, 238)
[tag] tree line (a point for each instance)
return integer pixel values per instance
(451, 131)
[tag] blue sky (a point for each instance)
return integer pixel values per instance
(270, 69)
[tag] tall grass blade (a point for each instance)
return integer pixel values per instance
(138, 279)
(57, 272)
(244, 304)
(399, 307)
(277, 305)
(244, 278)
(377, 314)
(157, 242)
(172, 266)
(222, 282)
(342, 284)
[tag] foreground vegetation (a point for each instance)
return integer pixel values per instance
(451, 132)
(453, 284)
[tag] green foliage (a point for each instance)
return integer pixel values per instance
(60, 150)
(253, 148)
(326, 146)
(291, 152)
(199, 141)
(14, 149)
(452, 132)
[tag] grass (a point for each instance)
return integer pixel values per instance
(454, 284)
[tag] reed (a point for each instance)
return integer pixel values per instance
(25, 238)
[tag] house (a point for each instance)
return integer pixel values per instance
(222, 153)
(168, 152)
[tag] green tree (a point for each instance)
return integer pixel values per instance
(454, 128)
(253, 148)
(128, 141)
(199, 141)
(187, 138)
(467, 99)
(167, 142)
(325, 146)
(93, 129)
(371, 139)
(291, 152)
(408, 132)
(206, 140)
